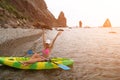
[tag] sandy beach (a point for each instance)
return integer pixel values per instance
(95, 52)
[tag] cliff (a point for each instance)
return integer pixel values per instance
(25, 13)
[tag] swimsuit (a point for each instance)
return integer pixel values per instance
(46, 51)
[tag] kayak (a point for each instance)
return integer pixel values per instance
(52, 64)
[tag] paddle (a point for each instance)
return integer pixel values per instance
(64, 67)
(29, 52)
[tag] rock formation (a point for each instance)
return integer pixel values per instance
(61, 20)
(26, 11)
(80, 24)
(107, 23)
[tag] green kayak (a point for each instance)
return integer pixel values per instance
(15, 62)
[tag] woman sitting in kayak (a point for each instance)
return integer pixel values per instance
(45, 52)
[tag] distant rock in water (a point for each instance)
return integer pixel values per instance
(80, 24)
(22, 13)
(61, 20)
(107, 23)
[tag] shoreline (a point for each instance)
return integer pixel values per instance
(12, 34)
(12, 39)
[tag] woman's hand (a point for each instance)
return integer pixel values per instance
(43, 29)
(60, 32)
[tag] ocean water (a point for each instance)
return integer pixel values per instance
(95, 52)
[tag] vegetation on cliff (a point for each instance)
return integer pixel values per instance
(6, 5)
(24, 13)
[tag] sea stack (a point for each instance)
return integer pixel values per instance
(107, 23)
(62, 20)
(80, 24)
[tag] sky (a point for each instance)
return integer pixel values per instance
(92, 13)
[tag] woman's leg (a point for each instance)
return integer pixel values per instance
(35, 55)
(33, 60)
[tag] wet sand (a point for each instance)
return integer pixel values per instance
(95, 52)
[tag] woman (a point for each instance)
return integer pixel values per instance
(45, 52)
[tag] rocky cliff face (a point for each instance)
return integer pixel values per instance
(23, 12)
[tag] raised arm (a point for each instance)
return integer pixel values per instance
(52, 44)
(43, 37)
